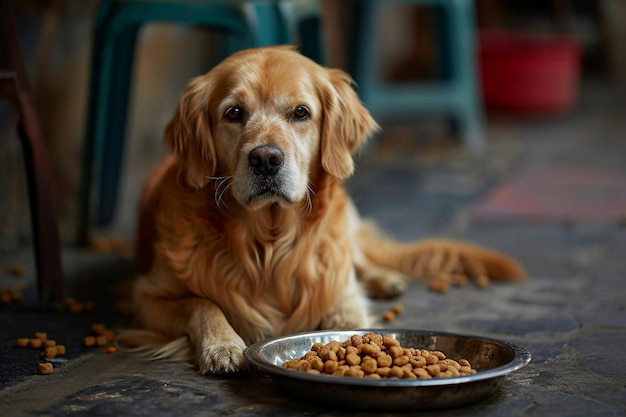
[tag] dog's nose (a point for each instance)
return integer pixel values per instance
(266, 159)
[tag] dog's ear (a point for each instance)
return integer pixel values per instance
(346, 124)
(189, 133)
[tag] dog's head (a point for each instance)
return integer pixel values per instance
(267, 120)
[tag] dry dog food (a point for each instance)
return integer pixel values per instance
(23, 342)
(17, 270)
(49, 352)
(49, 343)
(395, 310)
(35, 343)
(9, 296)
(376, 356)
(389, 315)
(102, 336)
(76, 307)
(45, 368)
(110, 349)
(41, 341)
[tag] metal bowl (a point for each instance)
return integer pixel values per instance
(492, 359)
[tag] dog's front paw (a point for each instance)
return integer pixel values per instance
(388, 286)
(383, 284)
(222, 357)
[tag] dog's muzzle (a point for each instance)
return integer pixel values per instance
(266, 182)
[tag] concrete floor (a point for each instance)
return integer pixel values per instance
(551, 193)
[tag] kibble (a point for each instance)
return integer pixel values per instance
(98, 328)
(41, 341)
(393, 312)
(17, 270)
(49, 352)
(9, 296)
(35, 343)
(23, 342)
(389, 316)
(397, 308)
(101, 340)
(45, 368)
(375, 356)
(101, 336)
(5, 297)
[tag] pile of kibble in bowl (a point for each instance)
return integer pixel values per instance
(376, 356)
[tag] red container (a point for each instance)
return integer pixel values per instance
(528, 74)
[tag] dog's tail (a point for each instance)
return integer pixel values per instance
(153, 346)
(438, 261)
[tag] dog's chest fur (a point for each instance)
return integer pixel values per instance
(272, 271)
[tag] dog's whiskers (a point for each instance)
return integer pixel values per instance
(309, 201)
(220, 198)
(222, 184)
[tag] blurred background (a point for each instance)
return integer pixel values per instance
(534, 59)
(504, 124)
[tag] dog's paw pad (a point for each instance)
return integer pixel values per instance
(222, 359)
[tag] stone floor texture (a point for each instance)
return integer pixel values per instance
(551, 193)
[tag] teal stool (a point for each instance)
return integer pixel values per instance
(302, 19)
(455, 94)
(248, 23)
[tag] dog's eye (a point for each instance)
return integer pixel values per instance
(233, 115)
(300, 113)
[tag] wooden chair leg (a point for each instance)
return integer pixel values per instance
(14, 88)
(47, 244)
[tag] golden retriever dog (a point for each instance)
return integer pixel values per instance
(247, 232)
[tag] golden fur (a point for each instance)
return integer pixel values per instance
(246, 231)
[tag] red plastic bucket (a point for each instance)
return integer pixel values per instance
(529, 74)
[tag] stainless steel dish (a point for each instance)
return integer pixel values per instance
(492, 358)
